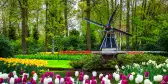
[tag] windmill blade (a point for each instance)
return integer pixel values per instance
(117, 30)
(111, 17)
(98, 24)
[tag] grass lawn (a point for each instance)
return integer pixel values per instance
(58, 63)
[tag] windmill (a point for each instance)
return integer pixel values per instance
(109, 43)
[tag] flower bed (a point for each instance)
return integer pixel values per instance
(28, 65)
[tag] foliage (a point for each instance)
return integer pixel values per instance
(92, 62)
(125, 59)
(50, 57)
(6, 49)
(163, 39)
(58, 64)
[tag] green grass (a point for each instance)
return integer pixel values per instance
(58, 63)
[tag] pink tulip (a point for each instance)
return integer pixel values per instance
(21, 72)
(102, 82)
(87, 81)
(101, 78)
(124, 82)
(163, 82)
(93, 77)
(50, 83)
(93, 81)
(68, 74)
(109, 76)
(124, 77)
(146, 74)
(24, 79)
(128, 75)
(1, 80)
(80, 78)
(81, 73)
(121, 75)
(58, 76)
(165, 78)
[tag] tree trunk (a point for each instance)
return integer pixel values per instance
(4, 29)
(24, 16)
(65, 16)
(128, 25)
(88, 25)
(120, 23)
(46, 28)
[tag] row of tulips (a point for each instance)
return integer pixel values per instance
(28, 65)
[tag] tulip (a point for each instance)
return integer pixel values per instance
(124, 81)
(124, 77)
(163, 82)
(1, 80)
(86, 77)
(146, 74)
(94, 73)
(12, 80)
(139, 79)
(50, 83)
(158, 78)
(117, 77)
(45, 81)
(80, 78)
(93, 77)
(62, 81)
(21, 72)
(109, 76)
(57, 76)
(33, 72)
(100, 75)
(93, 81)
(165, 78)
(102, 82)
(68, 74)
(14, 72)
(131, 77)
(147, 81)
(76, 73)
(87, 81)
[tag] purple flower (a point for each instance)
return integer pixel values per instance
(27, 83)
(146, 74)
(124, 82)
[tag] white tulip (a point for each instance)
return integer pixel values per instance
(85, 77)
(35, 76)
(0, 73)
(76, 73)
(15, 76)
(147, 81)
(133, 73)
(57, 81)
(158, 78)
(117, 77)
(72, 79)
(12, 80)
(106, 76)
(49, 79)
(139, 79)
(62, 80)
(5, 76)
(45, 80)
(14, 72)
(100, 75)
(94, 73)
(131, 77)
(123, 67)
(114, 74)
(116, 66)
(164, 70)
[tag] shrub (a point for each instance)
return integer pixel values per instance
(110, 64)
(125, 59)
(6, 48)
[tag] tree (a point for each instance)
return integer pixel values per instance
(24, 15)
(88, 25)
(128, 24)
